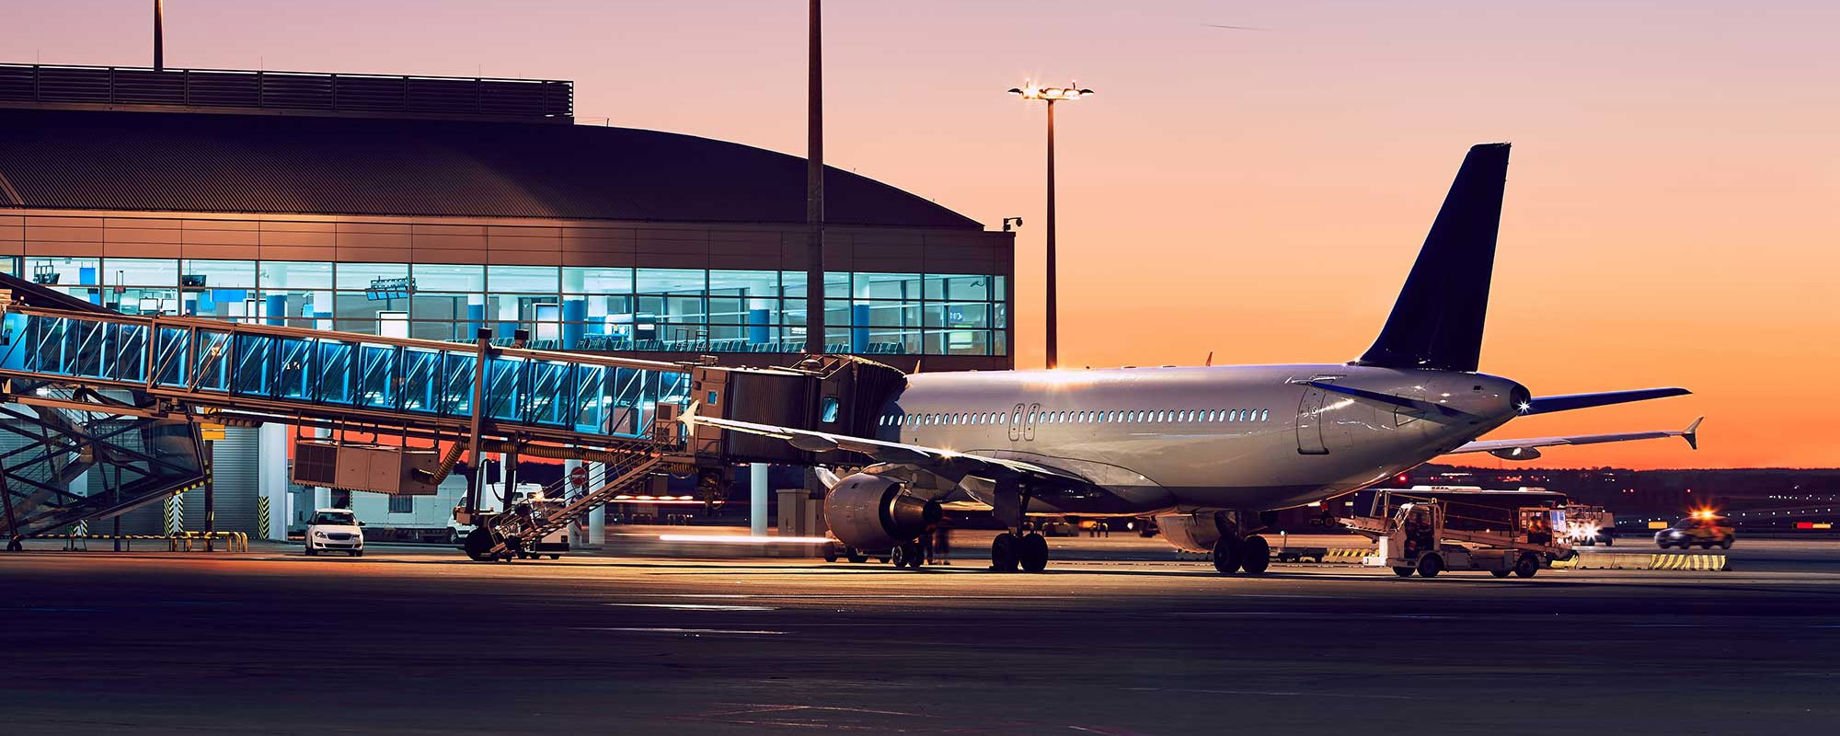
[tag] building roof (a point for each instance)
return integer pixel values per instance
(195, 162)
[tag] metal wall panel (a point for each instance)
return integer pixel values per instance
(234, 462)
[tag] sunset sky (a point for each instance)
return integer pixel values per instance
(1673, 205)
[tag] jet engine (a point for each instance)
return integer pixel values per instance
(1190, 532)
(870, 512)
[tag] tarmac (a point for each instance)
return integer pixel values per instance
(1114, 639)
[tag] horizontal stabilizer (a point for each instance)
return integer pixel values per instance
(1568, 402)
(1524, 449)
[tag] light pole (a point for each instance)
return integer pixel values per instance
(815, 342)
(1051, 95)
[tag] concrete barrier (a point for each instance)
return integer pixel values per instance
(1680, 561)
(1348, 555)
(1335, 555)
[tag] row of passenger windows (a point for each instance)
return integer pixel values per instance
(1078, 417)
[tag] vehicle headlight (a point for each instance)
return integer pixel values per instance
(317, 534)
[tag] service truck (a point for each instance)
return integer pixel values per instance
(1428, 531)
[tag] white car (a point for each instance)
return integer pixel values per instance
(335, 530)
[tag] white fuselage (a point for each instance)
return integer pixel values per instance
(1196, 438)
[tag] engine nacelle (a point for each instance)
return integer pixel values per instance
(870, 512)
(1191, 532)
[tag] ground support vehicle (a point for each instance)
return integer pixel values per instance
(1702, 528)
(1416, 534)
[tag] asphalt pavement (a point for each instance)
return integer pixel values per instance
(413, 641)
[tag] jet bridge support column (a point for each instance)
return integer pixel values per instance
(272, 477)
(757, 499)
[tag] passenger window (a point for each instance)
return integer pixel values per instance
(1264, 415)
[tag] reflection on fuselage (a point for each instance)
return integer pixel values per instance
(1242, 437)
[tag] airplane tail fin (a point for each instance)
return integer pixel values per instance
(1437, 321)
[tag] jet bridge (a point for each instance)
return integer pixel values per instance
(91, 386)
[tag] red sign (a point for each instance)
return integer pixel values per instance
(579, 476)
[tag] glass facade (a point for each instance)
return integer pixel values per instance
(568, 308)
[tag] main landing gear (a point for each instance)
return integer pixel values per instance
(1018, 547)
(1028, 551)
(1234, 553)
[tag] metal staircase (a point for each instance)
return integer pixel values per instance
(525, 522)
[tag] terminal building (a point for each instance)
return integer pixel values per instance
(433, 208)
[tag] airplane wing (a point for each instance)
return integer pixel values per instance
(1525, 449)
(946, 463)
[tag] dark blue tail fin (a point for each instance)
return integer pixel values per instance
(1437, 322)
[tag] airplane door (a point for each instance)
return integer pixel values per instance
(1310, 421)
(1028, 423)
(1015, 424)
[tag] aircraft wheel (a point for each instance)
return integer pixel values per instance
(1430, 565)
(907, 555)
(1032, 552)
(850, 553)
(1255, 555)
(1003, 553)
(1227, 555)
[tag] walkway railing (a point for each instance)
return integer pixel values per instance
(340, 375)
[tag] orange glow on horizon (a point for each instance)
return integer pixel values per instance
(1670, 215)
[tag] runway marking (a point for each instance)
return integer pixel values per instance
(1272, 693)
(749, 708)
(680, 630)
(694, 606)
(1314, 616)
(871, 596)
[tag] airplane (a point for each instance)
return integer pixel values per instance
(1207, 451)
